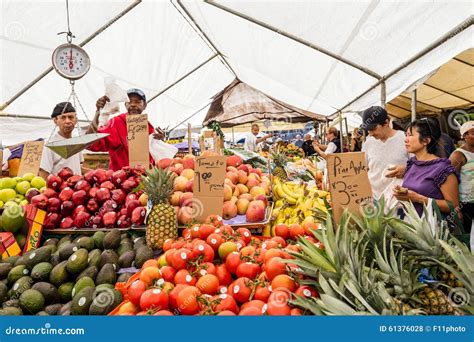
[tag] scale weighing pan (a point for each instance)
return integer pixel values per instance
(69, 147)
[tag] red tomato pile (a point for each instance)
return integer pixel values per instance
(214, 270)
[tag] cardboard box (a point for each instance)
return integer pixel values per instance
(8, 245)
(35, 218)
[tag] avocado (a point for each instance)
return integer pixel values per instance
(94, 257)
(5, 268)
(63, 240)
(59, 274)
(16, 273)
(42, 313)
(126, 259)
(112, 239)
(105, 301)
(143, 254)
(85, 242)
(20, 261)
(98, 238)
(65, 309)
(108, 257)
(53, 309)
(21, 285)
(125, 247)
(41, 271)
(3, 292)
(11, 302)
(55, 259)
(36, 256)
(123, 236)
(66, 250)
(31, 301)
(139, 242)
(11, 311)
(49, 292)
(65, 292)
(103, 287)
(82, 301)
(82, 284)
(106, 275)
(123, 278)
(12, 259)
(90, 272)
(52, 241)
(77, 262)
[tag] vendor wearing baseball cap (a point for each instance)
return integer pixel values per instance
(116, 143)
(384, 150)
(463, 160)
(64, 117)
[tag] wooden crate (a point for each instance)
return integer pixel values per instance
(96, 160)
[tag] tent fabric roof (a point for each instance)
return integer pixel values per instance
(320, 56)
(240, 103)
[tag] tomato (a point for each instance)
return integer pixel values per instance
(128, 308)
(282, 231)
(184, 277)
(163, 313)
(274, 267)
(194, 231)
(204, 250)
(283, 281)
(187, 233)
(187, 301)
(245, 235)
(226, 313)
(277, 304)
(293, 248)
(224, 302)
(149, 275)
(240, 244)
(241, 289)
(248, 251)
(168, 273)
(208, 284)
(167, 244)
(232, 261)
(280, 241)
(222, 289)
(180, 258)
(250, 311)
(224, 276)
(205, 230)
(227, 229)
(271, 253)
(135, 291)
(215, 240)
(178, 244)
(166, 286)
(296, 230)
(311, 226)
(154, 299)
(150, 263)
(306, 291)
(256, 303)
(214, 220)
(248, 269)
(206, 268)
(269, 244)
(262, 293)
(296, 312)
(143, 313)
(173, 295)
(260, 256)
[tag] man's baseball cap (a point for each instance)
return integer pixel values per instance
(138, 92)
(373, 116)
(466, 127)
(61, 108)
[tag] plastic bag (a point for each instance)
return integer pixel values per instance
(116, 95)
(159, 149)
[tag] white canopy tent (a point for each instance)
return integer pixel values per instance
(321, 56)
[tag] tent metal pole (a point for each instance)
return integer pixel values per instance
(295, 38)
(341, 142)
(189, 117)
(453, 32)
(447, 92)
(383, 94)
(206, 38)
(87, 40)
(182, 78)
(347, 133)
(413, 105)
(233, 137)
(21, 116)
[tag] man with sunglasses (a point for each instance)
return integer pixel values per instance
(64, 117)
(116, 143)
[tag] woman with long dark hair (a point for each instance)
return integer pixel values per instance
(427, 176)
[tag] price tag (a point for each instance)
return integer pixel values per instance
(348, 182)
(137, 137)
(209, 175)
(31, 157)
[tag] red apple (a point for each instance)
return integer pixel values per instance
(100, 176)
(186, 199)
(40, 201)
(262, 198)
(89, 177)
(109, 206)
(138, 170)
(54, 182)
(31, 193)
(129, 184)
(164, 163)
(96, 222)
(82, 185)
(255, 212)
(131, 206)
(49, 192)
(82, 219)
(189, 185)
(77, 210)
(123, 211)
(243, 167)
(54, 205)
(92, 206)
(108, 174)
(118, 195)
(138, 215)
(102, 195)
(67, 208)
(52, 221)
(127, 170)
(65, 173)
(79, 197)
(66, 194)
(107, 185)
(123, 222)
(118, 177)
(63, 186)
(109, 219)
(71, 181)
(130, 197)
(93, 192)
(188, 163)
(66, 223)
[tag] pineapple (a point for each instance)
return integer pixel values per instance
(161, 220)
(280, 161)
(435, 302)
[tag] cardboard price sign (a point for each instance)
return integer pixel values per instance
(137, 136)
(31, 157)
(35, 218)
(348, 182)
(209, 175)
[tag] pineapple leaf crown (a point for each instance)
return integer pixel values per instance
(158, 184)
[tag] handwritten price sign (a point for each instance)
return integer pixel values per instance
(348, 182)
(137, 136)
(31, 157)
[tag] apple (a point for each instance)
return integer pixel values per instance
(102, 195)
(92, 206)
(175, 198)
(131, 206)
(188, 173)
(123, 221)
(143, 199)
(233, 176)
(93, 192)
(236, 192)
(48, 192)
(130, 197)
(242, 189)
(77, 210)
(138, 170)
(65, 173)
(40, 201)
(257, 190)
(53, 182)
(164, 163)
(107, 185)
(123, 211)
(66, 194)
(71, 181)
(244, 168)
(188, 163)
(186, 199)
(262, 198)
(229, 210)
(100, 176)
(67, 208)
(247, 196)
(138, 215)
(89, 177)
(178, 168)
(82, 185)
(226, 248)
(118, 195)
(255, 212)
(242, 206)
(108, 206)
(227, 192)
(229, 183)
(129, 184)
(118, 177)
(109, 219)
(96, 222)
(54, 205)
(52, 221)
(231, 168)
(79, 197)
(31, 193)
(190, 185)
(180, 183)
(242, 177)
(185, 215)
(66, 223)
(251, 183)
(81, 220)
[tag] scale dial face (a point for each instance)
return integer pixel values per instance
(71, 61)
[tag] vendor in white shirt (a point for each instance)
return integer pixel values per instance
(64, 116)
(251, 140)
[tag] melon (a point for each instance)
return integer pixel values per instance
(12, 217)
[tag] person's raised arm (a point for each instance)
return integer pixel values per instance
(95, 122)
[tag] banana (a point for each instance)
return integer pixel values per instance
(288, 192)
